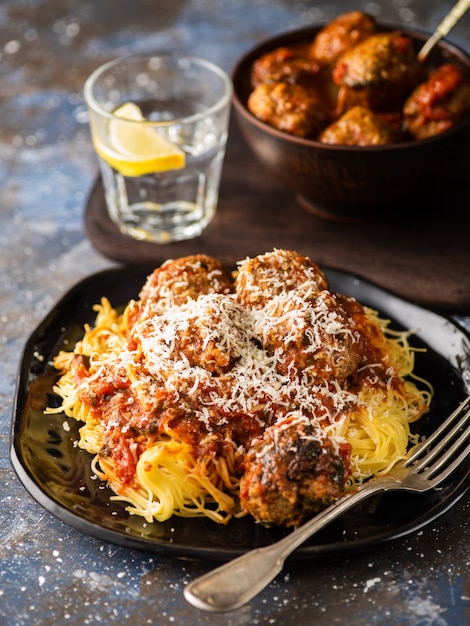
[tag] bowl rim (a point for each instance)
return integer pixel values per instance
(298, 34)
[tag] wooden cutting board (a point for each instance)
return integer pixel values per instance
(422, 253)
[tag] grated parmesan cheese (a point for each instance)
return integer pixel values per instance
(169, 345)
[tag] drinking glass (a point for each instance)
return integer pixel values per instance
(159, 125)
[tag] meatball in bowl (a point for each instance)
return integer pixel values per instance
(348, 118)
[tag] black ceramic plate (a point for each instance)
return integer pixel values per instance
(57, 474)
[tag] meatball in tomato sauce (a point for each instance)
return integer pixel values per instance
(341, 34)
(178, 281)
(377, 73)
(314, 335)
(295, 109)
(358, 127)
(439, 103)
(284, 65)
(292, 472)
(261, 278)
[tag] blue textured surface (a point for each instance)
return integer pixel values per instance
(50, 573)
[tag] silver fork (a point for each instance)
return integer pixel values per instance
(235, 583)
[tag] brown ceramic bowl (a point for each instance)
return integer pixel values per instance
(351, 183)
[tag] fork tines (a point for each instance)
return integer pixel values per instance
(445, 445)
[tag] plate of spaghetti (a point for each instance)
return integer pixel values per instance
(205, 411)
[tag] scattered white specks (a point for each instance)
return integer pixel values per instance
(31, 35)
(12, 47)
(66, 426)
(41, 580)
(371, 582)
(427, 611)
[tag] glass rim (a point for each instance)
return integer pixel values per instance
(215, 69)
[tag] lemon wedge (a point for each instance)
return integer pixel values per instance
(137, 149)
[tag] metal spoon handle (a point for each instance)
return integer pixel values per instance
(235, 583)
(444, 27)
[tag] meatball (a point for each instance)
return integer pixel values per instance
(292, 472)
(283, 65)
(178, 281)
(202, 336)
(377, 73)
(264, 276)
(294, 109)
(376, 364)
(340, 35)
(314, 337)
(358, 127)
(439, 103)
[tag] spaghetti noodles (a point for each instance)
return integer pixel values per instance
(188, 396)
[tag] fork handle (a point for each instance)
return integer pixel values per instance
(444, 28)
(235, 583)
